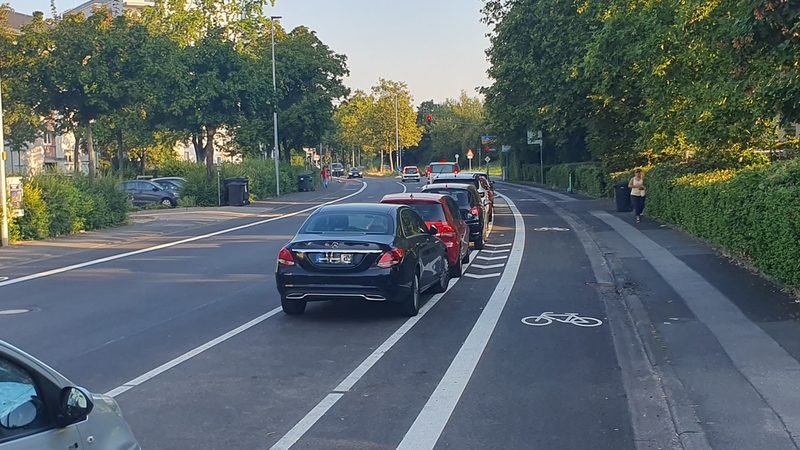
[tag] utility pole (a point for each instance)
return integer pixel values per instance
(3, 203)
(276, 154)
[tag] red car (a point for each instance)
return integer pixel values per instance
(441, 211)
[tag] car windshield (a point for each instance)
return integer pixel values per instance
(336, 166)
(459, 195)
(443, 168)
(348, 222)
(430, 212)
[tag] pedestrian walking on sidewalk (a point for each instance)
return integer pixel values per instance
(637, 194)
(326, 175)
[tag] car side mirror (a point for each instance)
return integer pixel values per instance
(433, 231)
(74, 407)
(155, 189)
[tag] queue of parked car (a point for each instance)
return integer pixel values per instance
(390, 251)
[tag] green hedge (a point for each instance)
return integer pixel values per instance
(752, 213)
(260, 173)
(587, 178)
(56, 205)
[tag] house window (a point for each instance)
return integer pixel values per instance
(48, 138)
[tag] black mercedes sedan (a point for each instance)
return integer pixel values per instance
(374, 252)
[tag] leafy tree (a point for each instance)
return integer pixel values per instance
(384, 122)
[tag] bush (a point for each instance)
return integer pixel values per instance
(753, 213)
(59, 204)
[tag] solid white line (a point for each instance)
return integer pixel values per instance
(482, 276)
(492, 258)
(498, 245)
(305, 424)
(190, 354)
(495, 251)
(428, 427)
(490, 266)
(405, 187)
(94, 262)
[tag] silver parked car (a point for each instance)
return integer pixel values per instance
(40, 410)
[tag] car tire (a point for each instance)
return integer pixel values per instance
(479, 242)
(465, 259)
(410, 305)
(168, 202)
(444, 278)
(293, 307)
(458, 268)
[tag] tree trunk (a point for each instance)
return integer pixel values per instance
(209, 153)
(120, 152)
(199, 147)
(143, 161)
(380, 164)
(391, 161)
(76, 156)
(90, 152)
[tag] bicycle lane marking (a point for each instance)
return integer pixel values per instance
(95, 262)
(431, 421)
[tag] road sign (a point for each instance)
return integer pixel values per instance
(487, 159)
(488, 139)
(470, 154)
(505, 148)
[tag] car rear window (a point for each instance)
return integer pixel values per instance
(471, 181)
(410, 170)
(349, 222)
(443, 168)
(460, 196)
(430, 212)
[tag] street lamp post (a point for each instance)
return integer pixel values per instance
(276, 154)
(3, 204)
(396, 131)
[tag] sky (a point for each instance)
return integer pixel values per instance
(436, 46)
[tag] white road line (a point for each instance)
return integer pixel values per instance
(492, 258)
(480, 277)
(428, 427)
(305, 424)
(498, 245)
(190, 354)
(405, 187)
(94, 262)
(490, 266)
(495, 251)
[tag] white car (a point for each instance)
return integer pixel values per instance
(42, 410)
(410, 173)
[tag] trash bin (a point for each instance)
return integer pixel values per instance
(622, 197)
(305, 182)
(237, 192)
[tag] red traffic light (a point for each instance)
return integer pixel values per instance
(428, 119)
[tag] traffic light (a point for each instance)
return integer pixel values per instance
(428, 119)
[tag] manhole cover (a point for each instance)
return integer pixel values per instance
(11, 312)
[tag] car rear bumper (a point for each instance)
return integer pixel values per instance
(379, 285)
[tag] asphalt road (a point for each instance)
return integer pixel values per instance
(572, 329)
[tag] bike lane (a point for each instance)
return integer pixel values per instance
(551, 386)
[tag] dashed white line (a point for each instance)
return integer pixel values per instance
(490, 266)
(190, 354)
(492, 258)
(35, 276)
(498, 245)
(481, 276)
(430, 423)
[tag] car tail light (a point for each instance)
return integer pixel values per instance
(455, 170)
(391, 258)
(445, 230)
(285, 258)
(475, 211)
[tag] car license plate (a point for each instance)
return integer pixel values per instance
(335, 258)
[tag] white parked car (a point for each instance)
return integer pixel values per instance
(40, 410)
